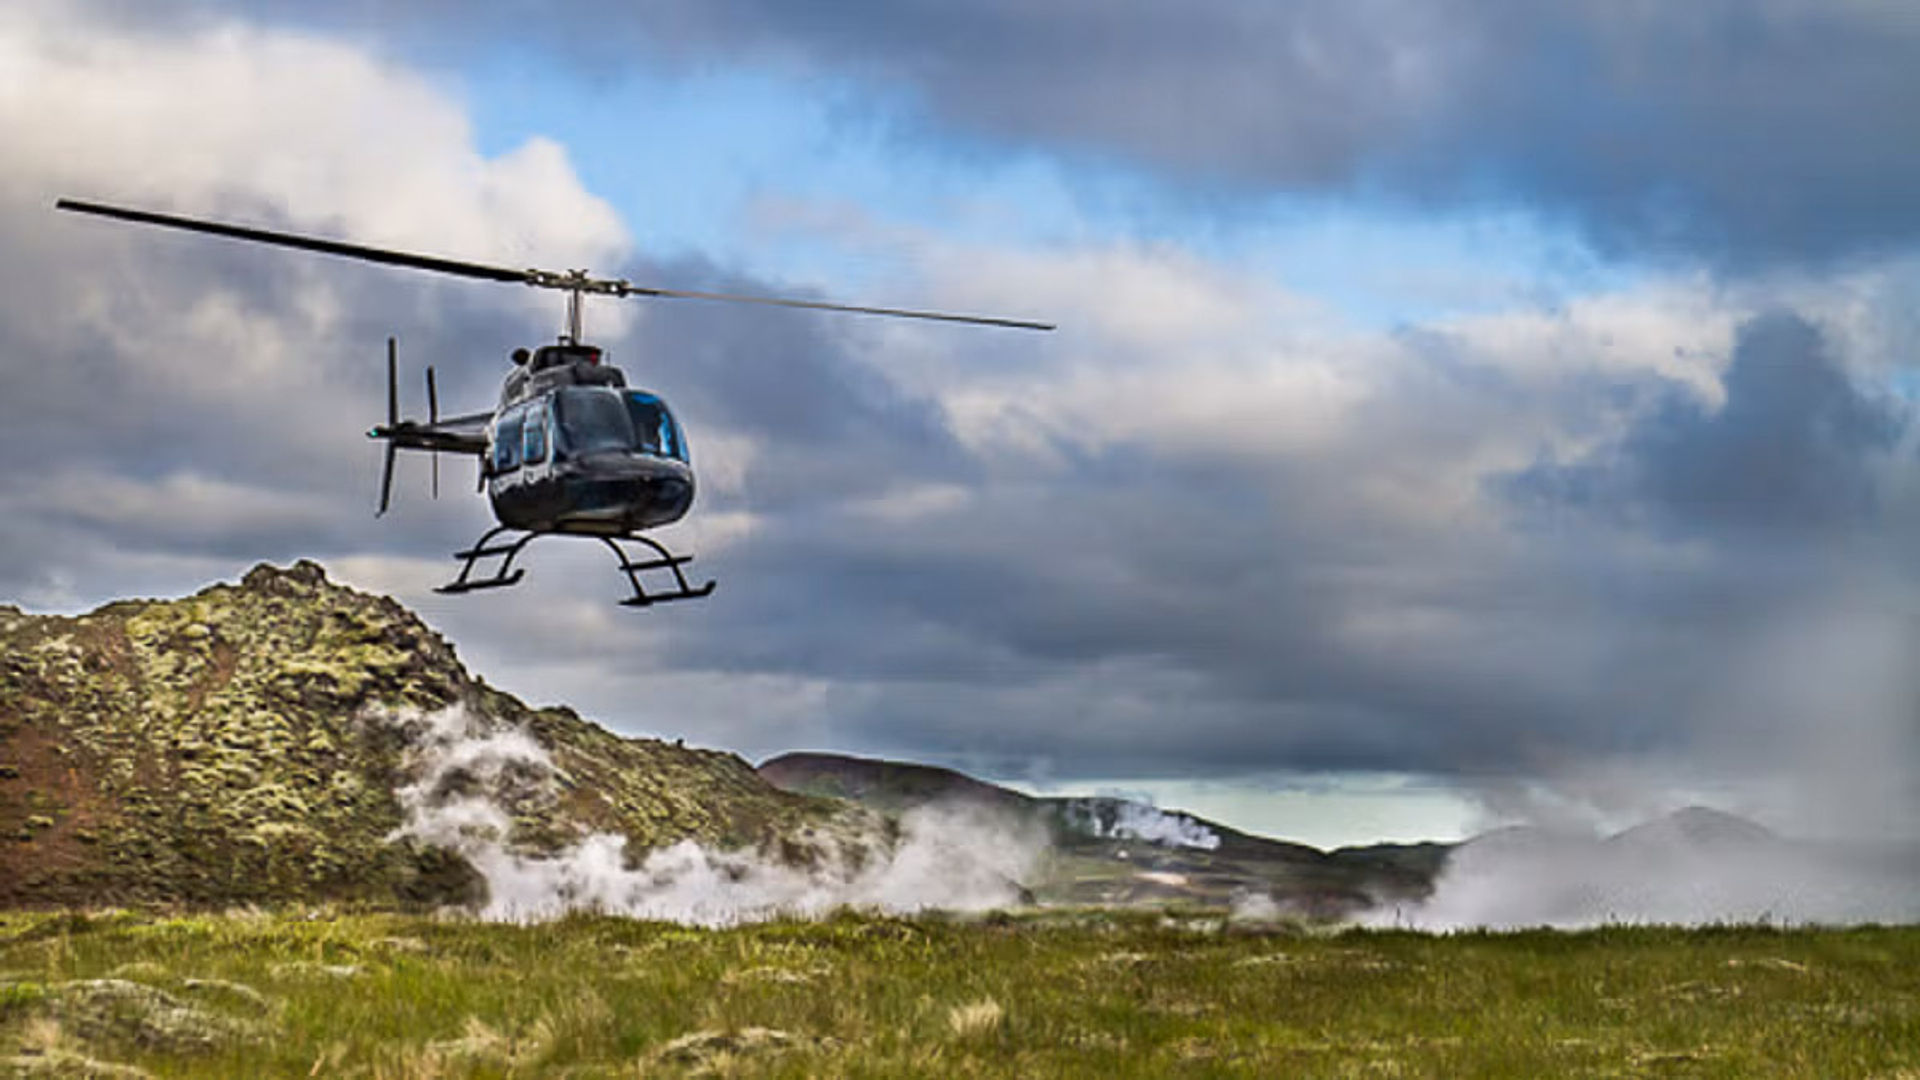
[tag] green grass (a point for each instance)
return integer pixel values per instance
(1108, 994)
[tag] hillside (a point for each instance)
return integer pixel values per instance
(287, 738)
(1109, 850)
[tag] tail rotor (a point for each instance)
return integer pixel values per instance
(433, 417)
(393, 420)
(460, 434)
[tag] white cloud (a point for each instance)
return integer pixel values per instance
(238, 117)
(1165, 350)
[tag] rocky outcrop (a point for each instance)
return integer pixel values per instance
(247, 743)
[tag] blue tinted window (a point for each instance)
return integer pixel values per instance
(533, 449)
(654, 429)
(506, 442)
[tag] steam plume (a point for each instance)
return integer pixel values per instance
(1131, 818)
(468, 766)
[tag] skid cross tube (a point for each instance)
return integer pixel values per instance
(667, 561)
(505, 574)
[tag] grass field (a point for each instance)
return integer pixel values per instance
(1109, 994)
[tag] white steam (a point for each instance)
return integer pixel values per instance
(1125, 818)
(472, 770)
(1813, 726)
(1663, 874)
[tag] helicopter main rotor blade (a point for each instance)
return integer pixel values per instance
(821, 305)
(305, 243)
(576, 282)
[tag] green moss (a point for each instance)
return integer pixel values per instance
(238, 746)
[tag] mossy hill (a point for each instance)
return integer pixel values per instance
(245, 745)
(1113, 851)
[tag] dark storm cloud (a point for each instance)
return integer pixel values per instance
(182, 400)
(1150, 610)
(1795, 447)
(1203, 617)
(792, 381)
(1731, 129)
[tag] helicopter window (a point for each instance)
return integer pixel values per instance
(506, 442)
(591, 420)
(653, 425)
(533, 449)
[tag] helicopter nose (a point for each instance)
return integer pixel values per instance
(641, 490)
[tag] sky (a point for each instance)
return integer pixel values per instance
(1463, 412)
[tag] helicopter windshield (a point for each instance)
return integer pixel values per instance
(591, 420)
(654, 426)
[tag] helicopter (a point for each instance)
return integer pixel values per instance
(569, 449)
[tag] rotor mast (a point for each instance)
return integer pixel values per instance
(573, 313)
(576, 284)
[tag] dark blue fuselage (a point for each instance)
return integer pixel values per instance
(573, 450)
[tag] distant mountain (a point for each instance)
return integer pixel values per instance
(1697, 827)
(885, 785)
(1690, 831)
(261, 742)
(1110, 850)
(1690, 866)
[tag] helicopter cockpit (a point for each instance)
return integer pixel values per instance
(581, 420)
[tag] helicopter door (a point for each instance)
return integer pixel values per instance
(506, 444)
(533, 441)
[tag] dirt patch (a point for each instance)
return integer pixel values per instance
(107, 651)
(51, 817)
(216, 675)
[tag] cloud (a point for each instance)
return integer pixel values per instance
(1794, 445)
(188, 395)
(804, 385)
(1732, 131)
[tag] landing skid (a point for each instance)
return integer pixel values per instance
(505, 574)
